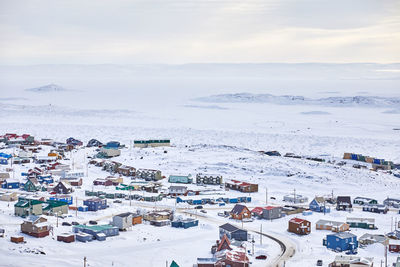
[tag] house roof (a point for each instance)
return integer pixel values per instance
(343, 235)
(237, 255)
(343, 199)
(319, 200)
(224, 240)
(96, 228)
(229, 227)
(238, 209)
(297, 220)
(370, 220)
(125, 214)
(327, 222)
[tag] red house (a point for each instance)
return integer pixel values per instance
(222, 244)
(394, 245)
(299, 226)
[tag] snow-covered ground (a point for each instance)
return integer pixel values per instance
(126, 103)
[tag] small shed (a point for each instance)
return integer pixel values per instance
(66, 237)
(83, 237)
(17, 239)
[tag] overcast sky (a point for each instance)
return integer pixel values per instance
(187, 31)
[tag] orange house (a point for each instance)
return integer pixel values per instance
(240, 212)
(136, 219)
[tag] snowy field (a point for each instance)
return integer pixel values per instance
(124, 103)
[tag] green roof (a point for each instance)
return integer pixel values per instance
(151, 141)
(25, 203)
(55, 204)
(174, 264)
(95, 227)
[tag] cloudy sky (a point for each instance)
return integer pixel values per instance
(186, 31)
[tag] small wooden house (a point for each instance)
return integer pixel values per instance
(35, 226)
(343, 203)
(240, 212)
(137, 219)
(333, 226)
(299, 226)
(63, 188)
(341, 242)
(241, 186)
(17, 239)
(66, 237)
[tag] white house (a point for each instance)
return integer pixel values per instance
(123, 221)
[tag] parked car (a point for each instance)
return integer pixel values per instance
(117, 201)
(198, 207)
(261, 257)
(92, 222)
(319, 262)
(203, 211)
(75, 223)
(66, 224)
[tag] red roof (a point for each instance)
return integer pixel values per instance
(236, 256)
(257, 210)
(297, 220)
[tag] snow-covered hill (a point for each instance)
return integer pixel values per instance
(366, 101)
(47, 88)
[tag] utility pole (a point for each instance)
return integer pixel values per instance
(261, 234)
(391, 225)
(294, 196)
(76, 206)
(84, 261)
(386, 249)
(266, 196)
(130, 198)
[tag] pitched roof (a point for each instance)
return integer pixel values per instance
(238, 209)
(224, 240)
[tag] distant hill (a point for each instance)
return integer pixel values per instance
(47, 88)
(366, 101)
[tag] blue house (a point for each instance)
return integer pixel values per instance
(95, 204)
(232, 232)
(5, 155)
(186, 223)
(10, 184)
(341, 242)
(113, 144)
(83, 237)
(45, 178)
(64, 198)
(99, 232)
(83, 208)
(318, 205)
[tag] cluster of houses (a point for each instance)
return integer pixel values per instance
(229, 249)
(377, 164)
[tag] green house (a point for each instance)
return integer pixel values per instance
(364, 223)
(32, 185)
(364, 201)
(180, 179)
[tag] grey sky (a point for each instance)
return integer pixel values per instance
(183, 31)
